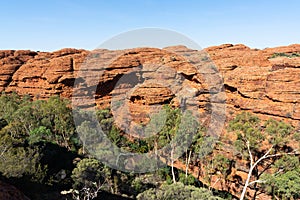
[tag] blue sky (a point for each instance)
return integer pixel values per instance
(48, 25)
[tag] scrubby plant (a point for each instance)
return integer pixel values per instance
(289, 55)
(177, 191)
(262, 145)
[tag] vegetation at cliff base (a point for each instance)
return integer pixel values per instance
(42, 154)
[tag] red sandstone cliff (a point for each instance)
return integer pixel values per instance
(266, 82)
(253, 79)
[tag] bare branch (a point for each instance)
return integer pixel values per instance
(254, 164)
(282, 154)
(250, 154)
(3, 151)
(263, 157)
(215, 182)
(256, 181)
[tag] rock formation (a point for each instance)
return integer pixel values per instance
(254, 80)
(259, 81)
(9, 192)
(265, 82)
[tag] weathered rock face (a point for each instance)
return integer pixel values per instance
(38, 74)
(260, 82)
(9, 192)
(266, 82)
(254, 80)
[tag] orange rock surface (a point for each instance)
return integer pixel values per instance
(265, 82)
(254, 80)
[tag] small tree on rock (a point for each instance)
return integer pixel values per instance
(261, 144)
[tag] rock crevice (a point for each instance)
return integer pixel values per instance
(262, 81)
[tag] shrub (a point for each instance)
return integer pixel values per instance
(177, 191)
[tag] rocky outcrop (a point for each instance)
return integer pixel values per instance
(9, 192)
(261, 81)
(265, 82)
(39, 74)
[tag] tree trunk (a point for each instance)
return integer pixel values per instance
(246, 184)
(187, 164)
(172, 165)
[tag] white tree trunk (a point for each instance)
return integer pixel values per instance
(246, 184)
(188, 160)
(252, 166)
(172, 165)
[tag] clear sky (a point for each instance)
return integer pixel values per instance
(48, 25)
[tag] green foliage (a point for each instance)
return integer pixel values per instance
(221, 163)
(284, 181)
(296, 137)
(163, 127)
(8, 105)
(19, 161)
(278, 132)
(26, 128)
(286, 163)
(57, 116)
(164, 132)
(189, 180)
(198, 140)
(16, 158)
(105, 119)
(38, 121)
(115, 135)
(143, 182)
(32, 133)
(289, 55)
(90, 171)
(88, 134)
(139, 146)
(177, 191)
(247, 127)
(165, 174)
(40, 134)
(284, 185)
